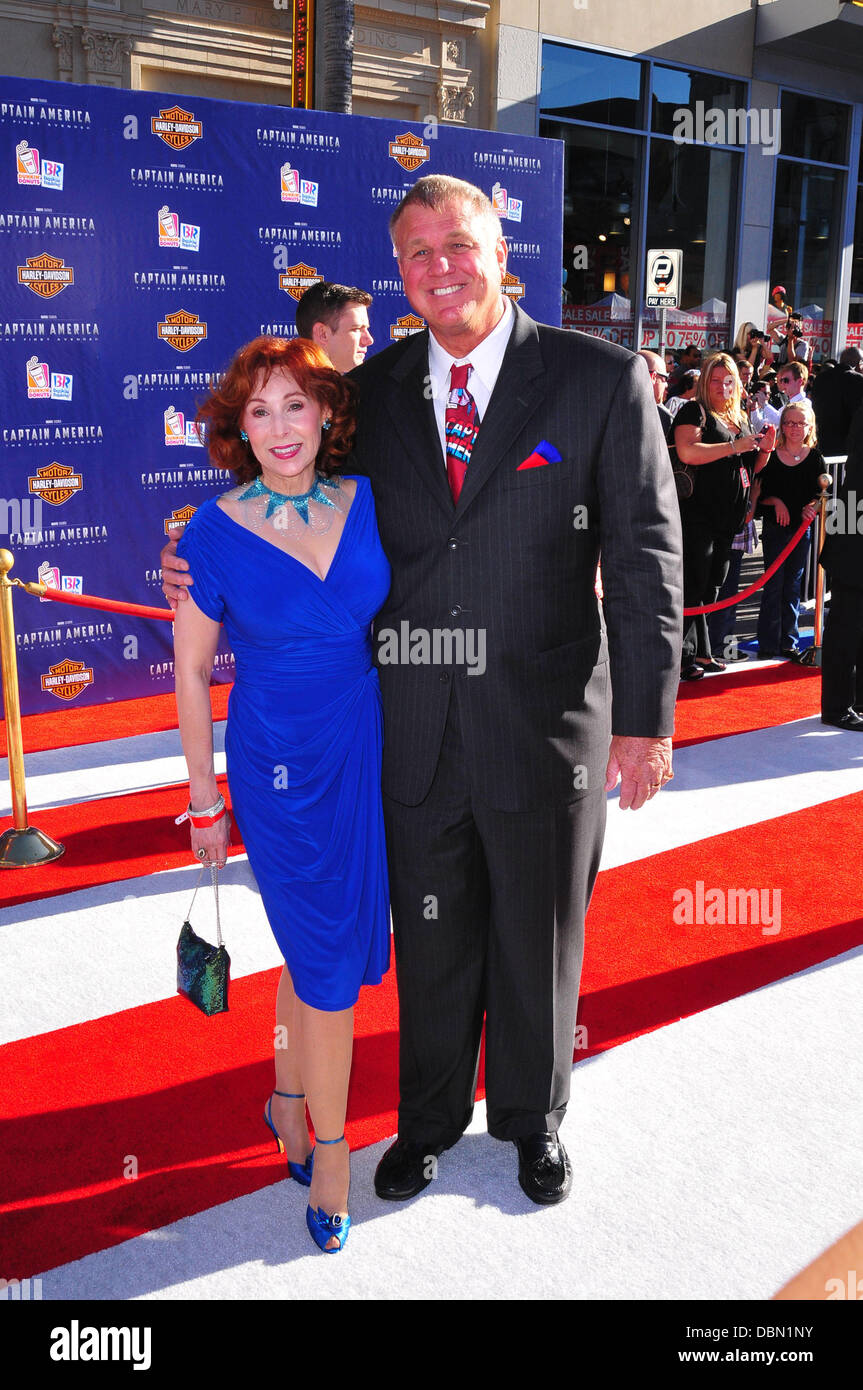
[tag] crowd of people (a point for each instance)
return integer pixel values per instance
(748, 432)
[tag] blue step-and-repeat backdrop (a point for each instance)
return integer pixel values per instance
(143, 239)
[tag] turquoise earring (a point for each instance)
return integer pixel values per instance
(325, 424)
(244, 436)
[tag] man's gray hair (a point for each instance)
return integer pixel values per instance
(439, 191)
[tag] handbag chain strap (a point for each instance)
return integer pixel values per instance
(214, 874)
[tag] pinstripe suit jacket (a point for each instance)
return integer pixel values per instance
(513, 565)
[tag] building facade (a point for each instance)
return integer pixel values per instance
(730, 130)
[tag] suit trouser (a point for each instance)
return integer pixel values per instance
(488, 917)
(842, 652)
(706, 556)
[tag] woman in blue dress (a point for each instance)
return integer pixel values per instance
(291, 562)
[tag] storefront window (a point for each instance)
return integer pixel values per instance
(692, 198)
(675, 91)
(600, 169)
(814, 129)
(807, 217)
(586, 86)
(690, 184)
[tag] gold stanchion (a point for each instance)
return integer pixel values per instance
(812, 657)
(23, 845)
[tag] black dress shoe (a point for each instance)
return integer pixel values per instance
(406, 1168)
(544, 1170)
(849, 720)
(691, 672)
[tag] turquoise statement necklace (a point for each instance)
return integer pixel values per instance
(299, 501)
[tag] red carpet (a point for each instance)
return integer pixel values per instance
(741, 701)
(107, 841)
(190, 1111)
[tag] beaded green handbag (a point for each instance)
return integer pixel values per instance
(203, 971)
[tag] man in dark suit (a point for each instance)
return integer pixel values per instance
(495, 779)
(837, 395)
(842, 558)
(494, 666)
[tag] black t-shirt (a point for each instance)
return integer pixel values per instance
(721, 488)
(794, 484)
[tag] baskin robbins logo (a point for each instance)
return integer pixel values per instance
(174, 233)
(46, 275)
(37, 172)
(55, 483)
(178, 128)
(512, 286)
(296, 189)
(409, 151)
(504, 205)
(182, 330)
(179, 430)
(67, 679)
(297, 279)
(44, 385)
(405, 326)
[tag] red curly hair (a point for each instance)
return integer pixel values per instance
(316, 377)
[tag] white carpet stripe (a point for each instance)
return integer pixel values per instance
(64, 776)
(713, 1159)
(89, 954)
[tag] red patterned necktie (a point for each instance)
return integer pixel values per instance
(461, 426)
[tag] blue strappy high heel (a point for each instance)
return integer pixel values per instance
(322, 1228)
(302, 1172)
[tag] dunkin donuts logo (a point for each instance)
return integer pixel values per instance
(297, 279)
(182, 330)
(46, 275)
(409, 151)
(46, 385)
(67, 679)
(36, 171)
(406, 325)
(511, 285)
(179, 517)
(178, 128)
(55, 483)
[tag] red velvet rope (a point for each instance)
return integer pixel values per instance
(112, 605)
(167, 614)
(759, 583)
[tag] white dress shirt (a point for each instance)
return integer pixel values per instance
(772, 416)
(486, 360)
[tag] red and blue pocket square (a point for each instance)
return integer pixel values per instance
(543, 454)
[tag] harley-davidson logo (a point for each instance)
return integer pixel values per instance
(67, 679)
(182, 330)
(178, 128)
(55, 483)
(407, 324)
(46, 275)
(179, 517)
(511, 285)
(409, 151)
(297, 279)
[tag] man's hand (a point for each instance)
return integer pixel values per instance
(643, 766)
(175, 576)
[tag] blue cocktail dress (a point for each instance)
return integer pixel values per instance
(304, 738)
